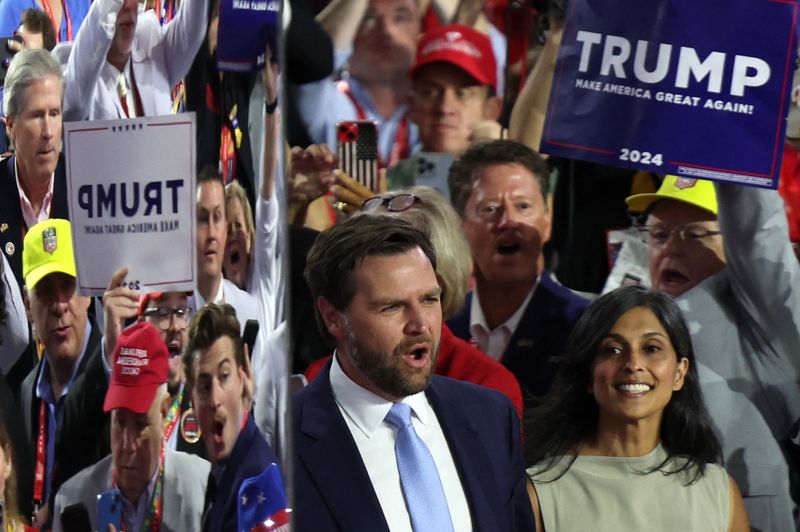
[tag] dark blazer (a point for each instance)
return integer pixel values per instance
(307, 342)
(332, 487)
(11, 212)
(250, 456)
(540, 335)
(82, 435)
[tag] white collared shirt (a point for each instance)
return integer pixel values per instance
(494, 342)
(219, 297)
(364, 413)
(30, 216)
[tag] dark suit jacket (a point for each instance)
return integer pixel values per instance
(12, 230)
(11, 212)
(307, 343)
(332, 487)
(250, 456)
(540, 335)
(82, 435)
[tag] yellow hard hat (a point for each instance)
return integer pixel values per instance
(697, 192)
(47, 249)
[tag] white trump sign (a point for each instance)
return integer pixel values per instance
(131, 193)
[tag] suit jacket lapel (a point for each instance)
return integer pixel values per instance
(459, 324)
(59, 207)
(470, 456)
(529, 329)
(338, 471)
(11, 214)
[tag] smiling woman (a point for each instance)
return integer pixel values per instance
(627, 427)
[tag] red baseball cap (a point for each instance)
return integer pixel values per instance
(140, 367)
(465, 47)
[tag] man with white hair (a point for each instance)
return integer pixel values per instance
(160, 489)
(33, 185)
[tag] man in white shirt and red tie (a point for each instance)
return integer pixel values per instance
(376, 427)
(125, 64)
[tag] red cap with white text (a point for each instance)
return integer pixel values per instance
(465, 47)
(140, 367)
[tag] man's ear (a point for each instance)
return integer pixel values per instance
(9, 121)
(492, 108)
(332, 318)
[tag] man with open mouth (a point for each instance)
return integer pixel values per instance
(377, 427)
(517, 314)
(723, 251)
(169, 313)
(219, 379)
(124, 64)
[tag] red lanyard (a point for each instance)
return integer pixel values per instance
(400, 147)
(49, 10)
(41, 458)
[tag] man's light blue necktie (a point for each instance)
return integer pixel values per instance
(422, 487)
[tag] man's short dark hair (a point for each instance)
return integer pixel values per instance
(339, 250)
(209, 174)
(465, 170)
(37, 21)
(211, 323)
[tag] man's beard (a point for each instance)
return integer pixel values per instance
(388, 373)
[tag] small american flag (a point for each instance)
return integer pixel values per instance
(358, 151)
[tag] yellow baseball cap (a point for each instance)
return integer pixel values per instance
(47, 249)
(697, 192)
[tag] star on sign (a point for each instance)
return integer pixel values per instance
(261, 498)
(244, 500)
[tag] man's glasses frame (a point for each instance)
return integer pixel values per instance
(164, 316)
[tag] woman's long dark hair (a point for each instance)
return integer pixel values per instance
(568, 416)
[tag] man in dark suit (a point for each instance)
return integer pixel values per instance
(55, 397)
(378, 302)
(517, 313)
(218, 377)
(33, 185)
(32, 182)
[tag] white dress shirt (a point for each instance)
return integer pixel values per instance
(364, 413)
(495, 341)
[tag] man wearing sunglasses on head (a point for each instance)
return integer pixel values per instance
(170, 313)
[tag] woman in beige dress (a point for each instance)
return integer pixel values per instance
(623, 441)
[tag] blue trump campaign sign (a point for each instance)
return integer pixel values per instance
(246, 27)
(695, 89)
(262, 505)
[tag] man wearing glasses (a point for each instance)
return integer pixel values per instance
(723, 251)
(170, 313)
(682, 234)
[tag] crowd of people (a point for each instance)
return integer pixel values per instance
(401, 355)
